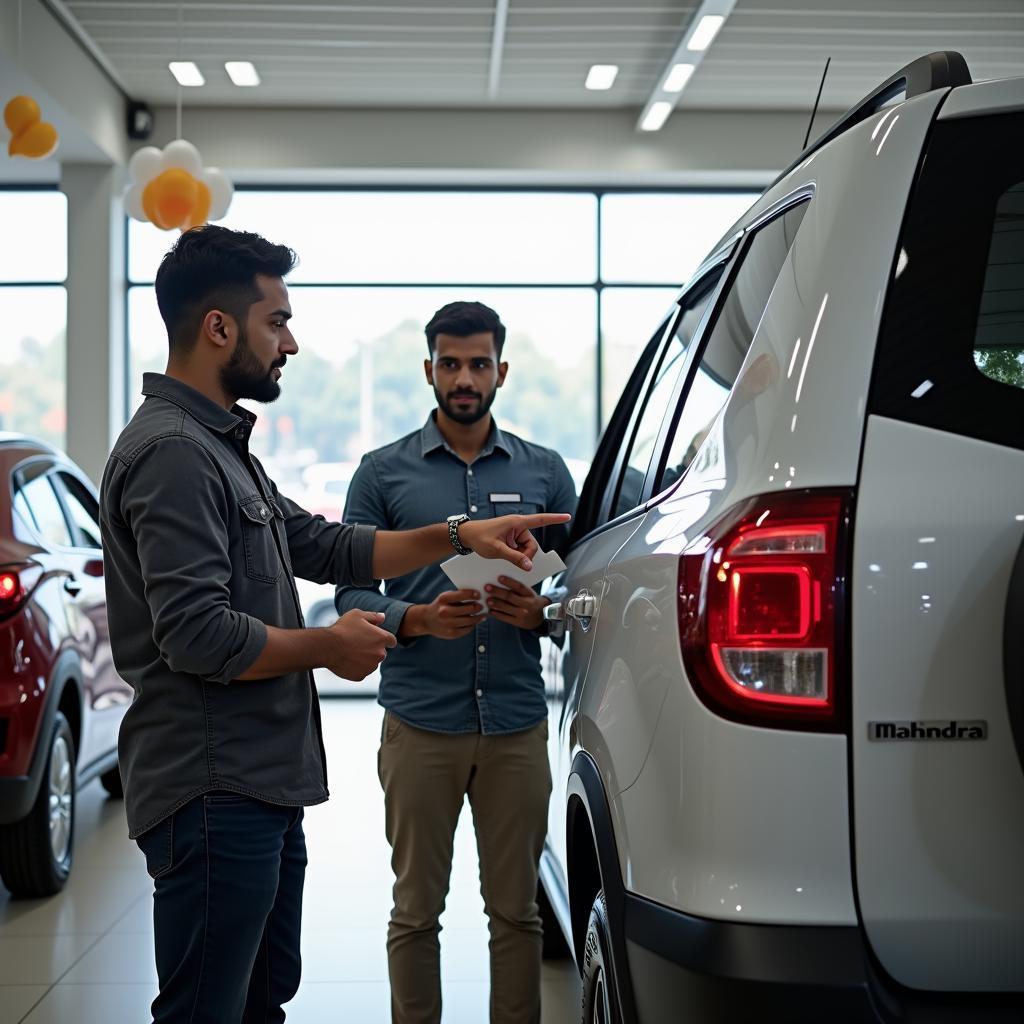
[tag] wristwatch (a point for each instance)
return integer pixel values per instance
(454, 522)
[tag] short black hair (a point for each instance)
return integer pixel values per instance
(461, 319)
(213, 267)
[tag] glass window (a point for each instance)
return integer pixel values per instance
(730, 340)
(661, 237)
(955, 304)
(38, 220)
(658, 401)
(999, 337)
(84, 512)
(32, 362)
(422, 237)
(38, 492)
(627, 316)
(358, 380)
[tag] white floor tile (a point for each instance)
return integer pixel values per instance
(40, 960)
(17, 1000)
(117, 959)
(94, 1004)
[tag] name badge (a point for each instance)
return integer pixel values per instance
(506, 497)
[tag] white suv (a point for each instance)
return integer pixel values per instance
(787, 707)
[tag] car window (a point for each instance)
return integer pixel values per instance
(594, 497)
(24, 522)
(83, 510)
(999, 335)
(659, 396)
(950, 353)
(35, 486)
(730, 340)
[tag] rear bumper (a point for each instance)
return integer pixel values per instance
(683, 967)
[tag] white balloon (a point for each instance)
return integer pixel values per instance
(221, 192)
(145, 164)
(181, 153)
(133, 203)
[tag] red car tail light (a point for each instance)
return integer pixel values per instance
(13, 591)
(762, 611)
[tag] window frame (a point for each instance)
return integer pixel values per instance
(58, 473)
(709, 282)
(609, 460)
(18, 485)
(663, 445)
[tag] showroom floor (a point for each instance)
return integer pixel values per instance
(85, 957)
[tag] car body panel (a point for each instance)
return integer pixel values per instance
(939, 824)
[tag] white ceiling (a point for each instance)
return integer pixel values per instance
(390, 53)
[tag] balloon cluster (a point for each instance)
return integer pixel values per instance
(31, 136)
(172, 190)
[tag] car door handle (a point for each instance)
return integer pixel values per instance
(582, 606)
(71, 587)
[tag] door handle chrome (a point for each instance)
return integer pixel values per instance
(582, 606)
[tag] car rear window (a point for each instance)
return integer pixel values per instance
(951, 348)
(999, 338)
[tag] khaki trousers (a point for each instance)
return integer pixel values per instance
(426, 776)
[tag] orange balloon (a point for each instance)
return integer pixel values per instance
(21, 113)
(177, 192)
(149, 205)
(201, 211)
(36, 142)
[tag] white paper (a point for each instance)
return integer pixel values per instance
(473, 572)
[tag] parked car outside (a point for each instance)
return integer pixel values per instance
(61, 700)
(787, 708)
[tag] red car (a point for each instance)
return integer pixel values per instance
(61, 701)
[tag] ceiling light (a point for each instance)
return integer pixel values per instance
(242, 72)
(602, 76)
(186, 73)
(656, 116)
(706, 30)
(678, 77)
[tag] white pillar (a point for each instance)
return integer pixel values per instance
(96, 297)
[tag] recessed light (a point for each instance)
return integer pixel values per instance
(706, 30)
(678, 77)
(601, 76)
(656, 116)
(186, 73)
(242, 72)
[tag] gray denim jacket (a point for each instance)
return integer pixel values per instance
(200, 551)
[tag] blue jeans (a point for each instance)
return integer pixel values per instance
(227, 910)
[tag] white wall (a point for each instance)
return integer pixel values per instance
(485, 147)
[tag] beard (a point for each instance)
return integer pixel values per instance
(467, 416)
(244, 376)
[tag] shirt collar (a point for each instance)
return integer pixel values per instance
(237, 421)
(431, 439)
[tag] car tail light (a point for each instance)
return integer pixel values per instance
(13, 592)
(762, 611)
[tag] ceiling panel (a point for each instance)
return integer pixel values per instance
(769, 55)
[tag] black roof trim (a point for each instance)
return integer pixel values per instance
(944, 69)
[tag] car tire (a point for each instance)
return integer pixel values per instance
(36, 852)
(600, 995)
(111, 782)
(555, 947)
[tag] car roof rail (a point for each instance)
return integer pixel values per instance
(944, 69)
